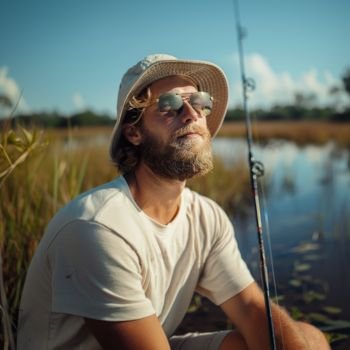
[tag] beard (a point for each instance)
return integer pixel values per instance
(182, 158)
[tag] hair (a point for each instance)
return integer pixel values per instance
(127, 155)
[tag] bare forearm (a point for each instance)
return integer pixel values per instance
(247, 311)
(291, 335)
(287, 333)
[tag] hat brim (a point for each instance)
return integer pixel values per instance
(206, 76)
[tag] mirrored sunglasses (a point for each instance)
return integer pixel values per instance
(172, 103)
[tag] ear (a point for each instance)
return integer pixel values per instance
(133, 134)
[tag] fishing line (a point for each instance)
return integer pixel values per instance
(256, 171)
(268, 235)
(268, 232)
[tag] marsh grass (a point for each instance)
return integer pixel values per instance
(15, 149)
(303, 132)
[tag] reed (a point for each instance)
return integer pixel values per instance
(302, 132)
(15, 149)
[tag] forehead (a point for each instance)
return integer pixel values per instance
(172, 83)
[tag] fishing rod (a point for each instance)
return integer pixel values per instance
(256, 170)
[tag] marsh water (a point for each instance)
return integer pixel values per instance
(305, 197)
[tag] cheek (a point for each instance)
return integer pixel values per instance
(156, 130)
(158, 124)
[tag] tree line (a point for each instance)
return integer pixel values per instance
(302, 108)
(90, 118)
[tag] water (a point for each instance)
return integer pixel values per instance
(306, 207)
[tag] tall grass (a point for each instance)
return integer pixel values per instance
(15, 148)
(302, 132)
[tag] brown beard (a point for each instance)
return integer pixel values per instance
(179, 159)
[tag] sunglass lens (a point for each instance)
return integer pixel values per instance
(202, 101)
(169, 102)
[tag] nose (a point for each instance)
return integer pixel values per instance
(188, 113)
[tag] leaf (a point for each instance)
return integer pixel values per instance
(192, 308)
(295, 283)
(13, 139)
(317, 317)
(296, 313)
(313, 257)
(333, 325)
(278, 298)
(196, 304)
(306, 247)
(311, 296)
(28, 136)
(302, 267)
(334, 337)
(332, 310)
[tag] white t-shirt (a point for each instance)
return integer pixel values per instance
(102, 257)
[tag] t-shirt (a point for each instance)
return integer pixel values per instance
(102, 257)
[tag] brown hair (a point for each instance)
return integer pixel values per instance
(127, 155)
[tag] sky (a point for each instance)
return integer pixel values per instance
(69, 55)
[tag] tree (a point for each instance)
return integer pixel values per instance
(5, 101)
(346, 81)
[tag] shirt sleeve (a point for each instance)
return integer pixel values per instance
(96, 274)
(225, 273)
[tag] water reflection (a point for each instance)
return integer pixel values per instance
(306, 205)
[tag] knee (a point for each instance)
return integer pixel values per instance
(314, 337)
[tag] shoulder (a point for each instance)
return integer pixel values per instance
(104, 214)
(92, 203)
(89, 206)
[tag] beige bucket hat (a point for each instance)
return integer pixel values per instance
(205, 75)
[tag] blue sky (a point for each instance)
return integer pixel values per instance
(69, 55)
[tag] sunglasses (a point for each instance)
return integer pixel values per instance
(171, 103)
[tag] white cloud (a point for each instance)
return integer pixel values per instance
(10, 88)
(78, 101)
(280, 87)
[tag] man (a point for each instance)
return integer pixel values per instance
(117, 267)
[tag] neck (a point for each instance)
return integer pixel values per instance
(157, 196)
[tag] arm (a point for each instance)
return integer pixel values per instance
(246, 311)
(105, 283)
(142, 334)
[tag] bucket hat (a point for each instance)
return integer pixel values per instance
(205, 75)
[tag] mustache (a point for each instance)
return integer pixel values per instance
(191, 129)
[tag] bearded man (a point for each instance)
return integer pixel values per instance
(117, 267)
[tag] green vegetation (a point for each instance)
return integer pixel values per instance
(90, 118)
(15, 148)
(56, 120)
(301, 132)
